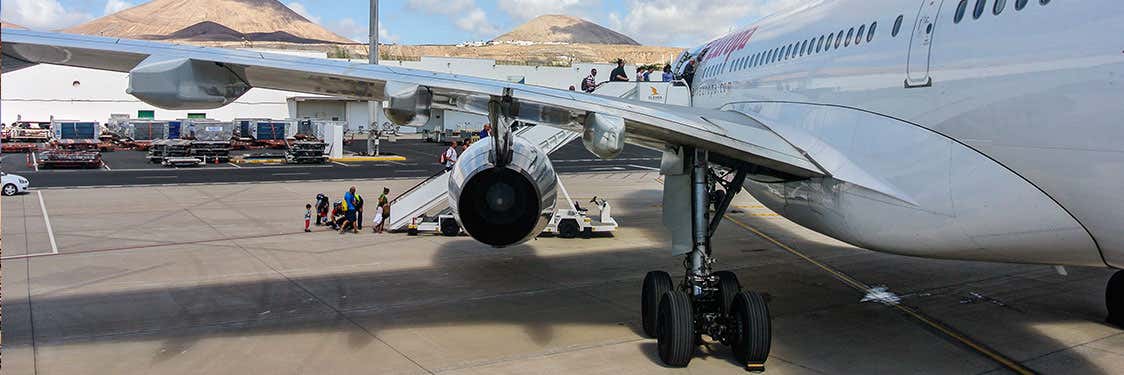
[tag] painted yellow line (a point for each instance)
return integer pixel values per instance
(369, 158)
(862, 287)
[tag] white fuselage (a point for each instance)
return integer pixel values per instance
(1006, 130)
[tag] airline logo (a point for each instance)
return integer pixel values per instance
(729, 44)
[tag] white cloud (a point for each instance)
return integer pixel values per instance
(683, 23)
(465, 14)
(528, 9)
(40, 14)
(301, 10)
(114, 6)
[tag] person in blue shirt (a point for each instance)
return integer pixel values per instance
(484, 132)
(667, 76)
(349, 209)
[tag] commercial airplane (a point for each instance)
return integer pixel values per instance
(959, 129)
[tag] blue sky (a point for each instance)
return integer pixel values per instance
(679, 23)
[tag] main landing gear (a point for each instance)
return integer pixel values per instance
(1114, 299)
(705, 302)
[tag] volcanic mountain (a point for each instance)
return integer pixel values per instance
(211, 20)
(555, 28)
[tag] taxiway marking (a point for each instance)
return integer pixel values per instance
(866, 289)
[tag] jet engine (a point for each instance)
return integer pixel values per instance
(503, 205)
(181, 83)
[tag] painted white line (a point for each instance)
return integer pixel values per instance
(27, 256)
(47, 220)
(643, 167)
(235, 165)
(105, 165)
(291, 174)
(336, 162)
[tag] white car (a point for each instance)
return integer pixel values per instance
(12, 184)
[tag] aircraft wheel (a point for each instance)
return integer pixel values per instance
(728, 287)
(568, 228)
(1114, 299)
(676, 338)
(656, 283)
(449, 227)
(751, 330)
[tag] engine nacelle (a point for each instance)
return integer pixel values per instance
(603, 135)
(185, 84)
(503, 206)
(408, 104)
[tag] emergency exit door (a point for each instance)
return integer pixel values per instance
(920, 45)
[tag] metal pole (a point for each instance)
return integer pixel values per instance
(373, 58)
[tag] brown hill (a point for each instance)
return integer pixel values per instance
(564, 29)
(199, 20)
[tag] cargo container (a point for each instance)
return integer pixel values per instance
(75, 129)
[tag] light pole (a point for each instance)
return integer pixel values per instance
(373, 58)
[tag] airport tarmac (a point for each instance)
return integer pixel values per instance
(131, 168)
(220, 279)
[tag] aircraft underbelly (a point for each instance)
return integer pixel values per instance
(899, 188)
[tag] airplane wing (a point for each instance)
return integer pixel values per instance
(218, 76)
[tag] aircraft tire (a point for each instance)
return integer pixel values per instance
(1114, 299)
(568, 228)
(728, 287)
(752, 330)
(656, 283)
(449, 227)
(676, 340)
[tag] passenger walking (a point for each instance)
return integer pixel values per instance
(384, 211)
(450, 156)
(307, 216)
(358, 212)
(618, 74)
(589, 84)
(667, 76)
(323, 205)
(348, 205)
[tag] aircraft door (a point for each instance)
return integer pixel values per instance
(917, 69)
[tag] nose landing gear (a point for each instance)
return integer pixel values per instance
(705, 302)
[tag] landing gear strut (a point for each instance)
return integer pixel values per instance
(705, 302)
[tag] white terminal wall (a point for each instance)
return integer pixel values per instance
(43, 91)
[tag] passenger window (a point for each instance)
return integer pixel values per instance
(827, 46)
(980, 5)
(870, 34)
(1020, 4)
(859, 36)
(1043, 2)
(788, 52)
(838, 39)
(999, 5)
(960, 9)
(819, 45)
(803, 46)
(850, 33)
(897, 26)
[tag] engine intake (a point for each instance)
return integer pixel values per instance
(503, 206)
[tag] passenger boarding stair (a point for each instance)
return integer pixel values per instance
(430, 196)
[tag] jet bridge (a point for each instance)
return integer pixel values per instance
(430, 196)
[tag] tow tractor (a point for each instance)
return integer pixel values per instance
(565, 222)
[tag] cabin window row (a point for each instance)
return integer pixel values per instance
(824, 43)
(980, 6)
